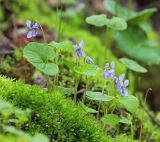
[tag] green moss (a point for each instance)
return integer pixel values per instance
(58, 118)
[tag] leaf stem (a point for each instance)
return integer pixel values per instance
(99, 105)
(60, 19)
(129, 7)
(141, 127)
(132, 134)
(75, 89)
(84, 94)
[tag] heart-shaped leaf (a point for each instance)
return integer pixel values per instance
(39, 56)
(129, 102)
(133, 65)
(97, 20)
(98, 96)
(87, 69)
(116, 23)
(110, 119)
(136, 46)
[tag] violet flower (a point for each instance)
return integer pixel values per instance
(109, 71)
(78, 49)
(33, 30)
(121, 85)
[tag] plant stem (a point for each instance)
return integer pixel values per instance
(99, 105)
(44, 37)
(75, 89)
(132, 134)
(48, 83)
(84, 94)
(141, 128)
(60, 19)
(116, 7)
(56, 61)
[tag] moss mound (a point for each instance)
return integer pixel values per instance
(58, 118)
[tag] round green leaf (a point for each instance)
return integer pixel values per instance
(97, 20)
(87, 69)
(110, 119)
(116, 23)
(129, 102)
(133, 65)
(49, 68)
(39, 55)
(98, 96)
(137, 47)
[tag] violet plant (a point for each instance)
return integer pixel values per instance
(46, 59)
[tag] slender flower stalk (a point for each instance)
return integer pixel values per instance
(99, 105)
(75, 89)
(87, 85)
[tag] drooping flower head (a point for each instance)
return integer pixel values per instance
(78, 49)
(109, 71)
(89, 60)
(33, 30)
(121, 85)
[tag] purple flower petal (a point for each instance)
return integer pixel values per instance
(30, 34)
(34, 33)
(125, 92)
(126, 83)
(28, 23)
(79, 53)
(112, 65)
(35, 26)
(78, 49)
(121, 77)
(81, 44)
(106, 74)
